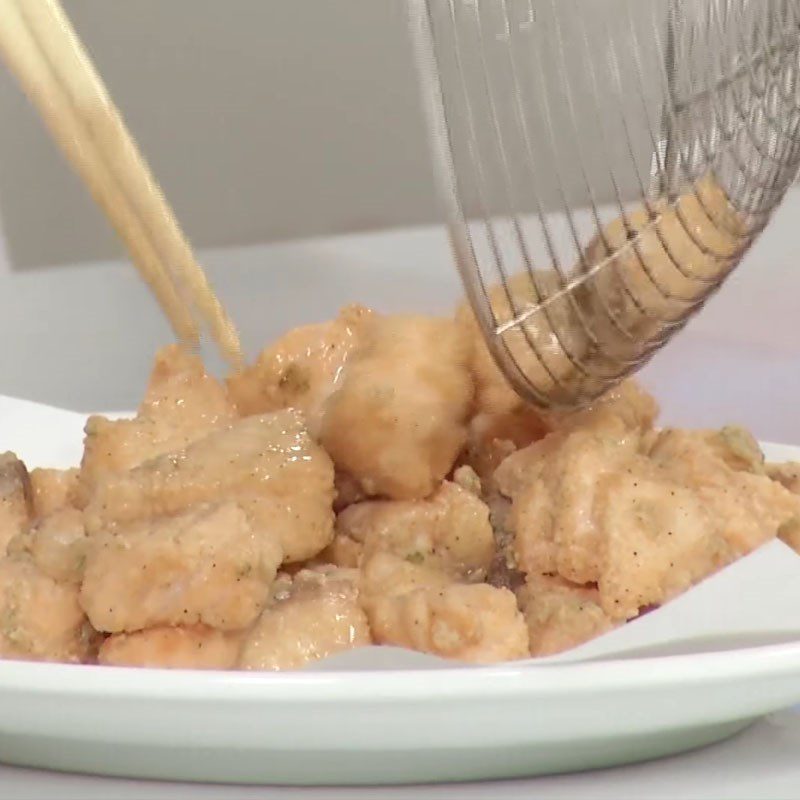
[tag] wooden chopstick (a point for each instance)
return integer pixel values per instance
(48, 59)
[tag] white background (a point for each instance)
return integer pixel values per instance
(262, 120)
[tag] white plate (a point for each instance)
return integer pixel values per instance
(394, 726)
(384, 727)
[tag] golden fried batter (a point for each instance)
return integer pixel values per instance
(398, 421)
(205, 566)
(57, 543)
(268, 464)
(313, 616)
(197, 647)
(40, 619)
(182, 404)
(301, 369)
(450, 531)
(53, 490)
(413, 606)
(643, 515)
(561, 615)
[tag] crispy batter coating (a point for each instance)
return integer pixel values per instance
(406, 494)
(40, 619)
(182, 404)
(449, 531)
(57, 544)
(301, 369)
(737, 447)
(268, 464)
(398, 420)
(494, 437)
(659, 539)
(626, 413)
(561, 615)
(747, 507)
(343, 551)
(414, 606)
(314, 615)
(643, 515)
(554, 485)
(52, 490)
(787, 474)
(628, 402)
(205, 566)
(195, 647)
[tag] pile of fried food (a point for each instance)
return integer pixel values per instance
(370, 480)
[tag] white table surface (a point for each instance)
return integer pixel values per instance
(83, 337)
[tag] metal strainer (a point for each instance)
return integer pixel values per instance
(604, 165)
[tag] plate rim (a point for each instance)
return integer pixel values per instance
(495, 681)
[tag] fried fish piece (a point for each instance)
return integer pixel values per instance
(57, 544)
(398, 421)
(413, 606)
(561, 615)
(16, 499)
(450, 530)
(182, 404)
(660, 538)
(314, 615)
(553, 486)
(52, 490)
(206, 566)
(591, 504)
(748, 507)
(787, 474)
(40, 618)
(268, 464)
(180, 647)
(301, 369)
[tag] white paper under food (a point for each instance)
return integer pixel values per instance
(753, 602)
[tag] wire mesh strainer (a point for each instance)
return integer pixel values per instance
(604, 164)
